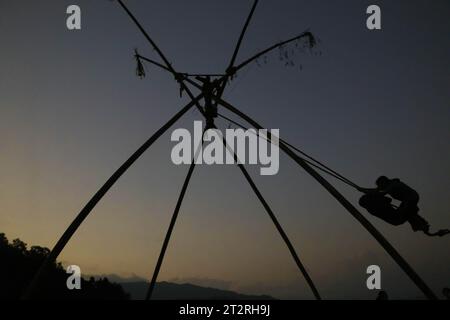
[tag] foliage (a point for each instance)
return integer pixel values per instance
(19, 264)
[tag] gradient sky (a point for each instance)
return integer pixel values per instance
(72, 111)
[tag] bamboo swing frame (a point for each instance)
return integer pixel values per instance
(183, 80)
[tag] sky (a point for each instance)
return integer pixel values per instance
(375, 102)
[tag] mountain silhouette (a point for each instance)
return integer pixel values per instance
(173, 291)
(19, 265)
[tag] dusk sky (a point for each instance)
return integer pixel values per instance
(375, 102)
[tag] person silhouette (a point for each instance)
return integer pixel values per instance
(408, 197)
(398, 190)
(378, 204)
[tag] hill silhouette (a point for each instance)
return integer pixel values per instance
(173, 291)
(19, 264)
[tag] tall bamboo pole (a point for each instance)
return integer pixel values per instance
(403, 264)
(173, 220)
(229, 70)
(51, 258)
(277, 224)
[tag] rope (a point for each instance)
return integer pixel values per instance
(403, 264)
(322, 167)
(313, 162)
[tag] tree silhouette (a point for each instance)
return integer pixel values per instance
(19, 264)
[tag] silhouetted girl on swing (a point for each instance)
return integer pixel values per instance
(378, 204)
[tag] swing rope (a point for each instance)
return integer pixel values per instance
(312, 161)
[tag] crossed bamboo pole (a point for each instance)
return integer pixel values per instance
(38, 278)
(231, 70)
(62, 242)
(417, 280)
(266, 206)
(195, 101)
(173, 220)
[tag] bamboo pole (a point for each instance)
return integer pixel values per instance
(277, 224)
(340, 198)
(403, 264)
(333, 191)
(173, 220)
(236, 51)
(168, 65)
(62, 242)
